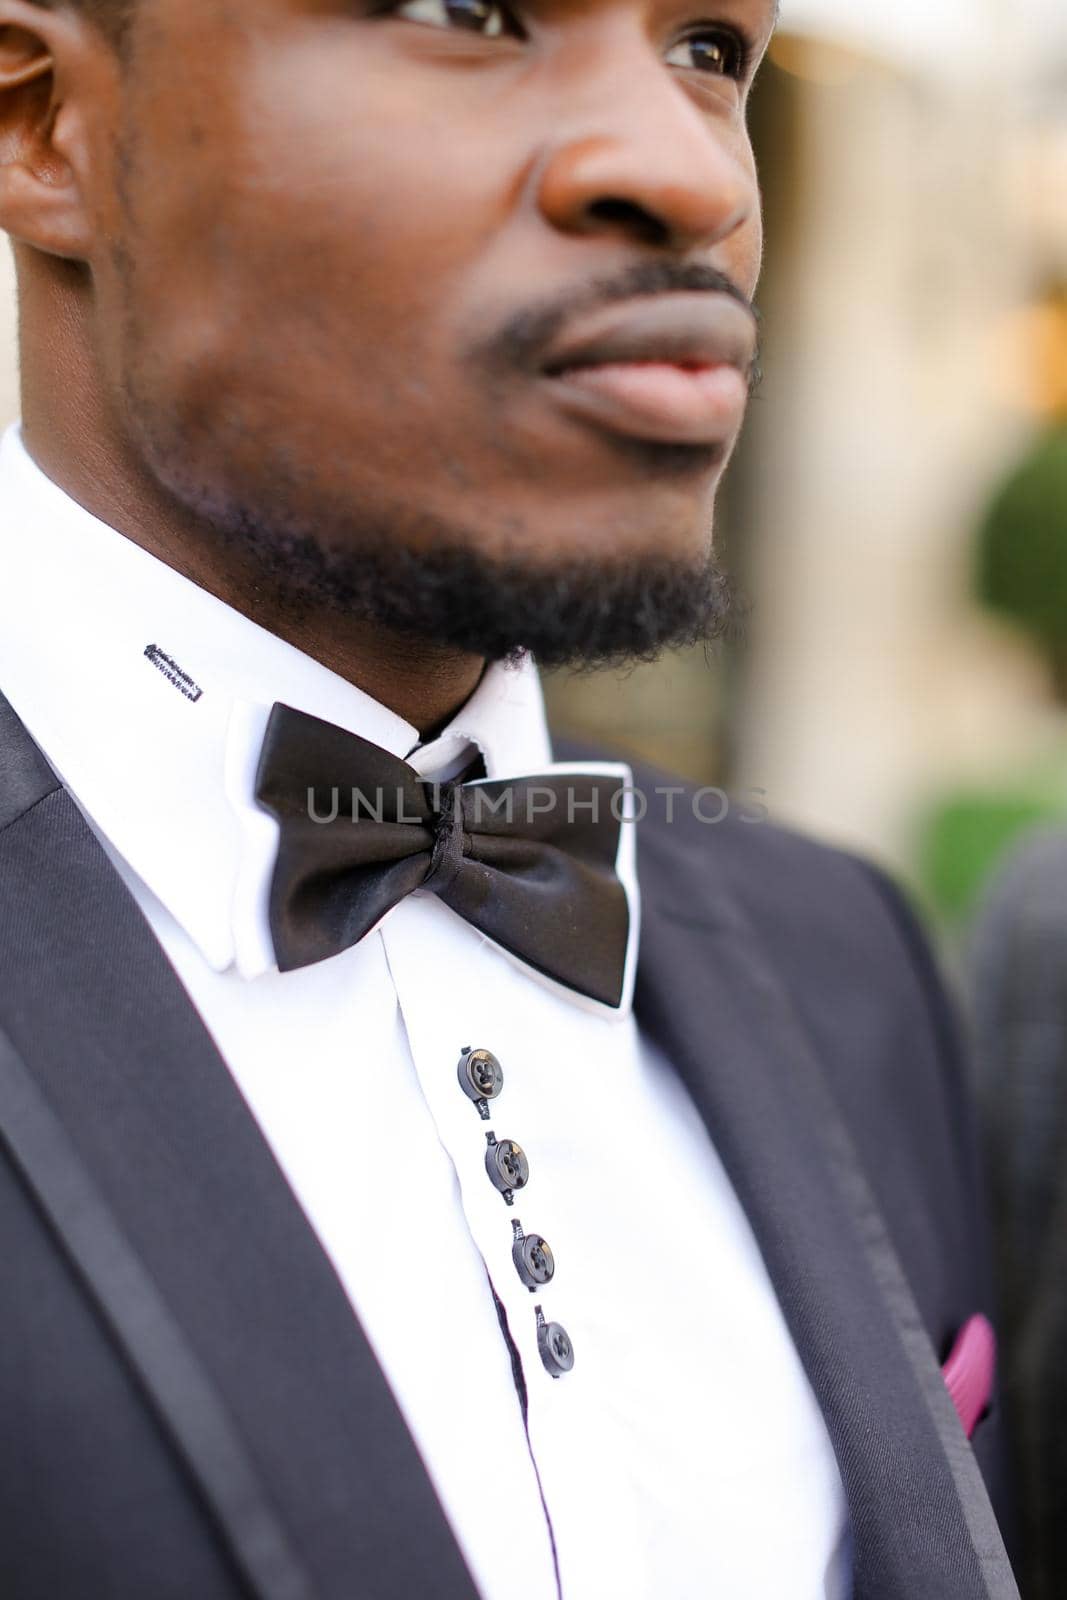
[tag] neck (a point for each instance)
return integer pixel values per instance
(68, 429)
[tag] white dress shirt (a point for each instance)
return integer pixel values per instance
(685, 1454)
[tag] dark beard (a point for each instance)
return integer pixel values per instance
(412, 574)
(581, 613)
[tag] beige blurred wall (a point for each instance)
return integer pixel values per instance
(888, 412)
(8, 362)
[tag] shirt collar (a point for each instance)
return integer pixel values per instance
(149, 697)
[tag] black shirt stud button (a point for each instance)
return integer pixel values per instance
(533, 1258)
(507, 1166)
(553, 1342)
(481, 1078)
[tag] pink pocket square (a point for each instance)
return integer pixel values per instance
(969, 1370)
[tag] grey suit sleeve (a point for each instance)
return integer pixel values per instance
(1018, 981)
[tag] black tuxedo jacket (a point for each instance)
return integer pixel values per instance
(189, 1409)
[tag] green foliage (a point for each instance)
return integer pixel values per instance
(963, 839)
(1020, 572)
(1021, 565)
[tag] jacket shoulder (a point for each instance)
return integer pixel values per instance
(794, 887)
(842, 934)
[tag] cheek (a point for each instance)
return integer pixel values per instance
(272, 246)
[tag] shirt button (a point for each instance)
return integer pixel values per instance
(553, 1342)
(481, 1077)
(506, 1164)
(533, 1258)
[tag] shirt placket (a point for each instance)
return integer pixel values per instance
(467, 1057)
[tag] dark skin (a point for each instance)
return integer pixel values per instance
(258, 256)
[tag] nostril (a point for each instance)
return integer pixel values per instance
(631, 216)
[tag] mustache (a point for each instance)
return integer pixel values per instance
(523, 338)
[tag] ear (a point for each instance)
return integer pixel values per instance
(43, 127)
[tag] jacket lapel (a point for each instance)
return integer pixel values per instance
(279, 1372)
(921, 1519)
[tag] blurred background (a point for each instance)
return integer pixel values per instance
(897, 512)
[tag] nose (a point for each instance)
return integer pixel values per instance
(639, 156)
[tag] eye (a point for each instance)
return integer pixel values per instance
(483, 17)
(717, 51)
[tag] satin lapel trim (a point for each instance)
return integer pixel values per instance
(183, 1396)
(173, 1159)
(25, 776)
(922, 1520)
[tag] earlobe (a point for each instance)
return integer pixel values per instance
(40, 199)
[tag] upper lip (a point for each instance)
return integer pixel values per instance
(694, 329)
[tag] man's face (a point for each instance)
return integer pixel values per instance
(342, 241)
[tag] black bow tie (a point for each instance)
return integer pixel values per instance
(529, 862)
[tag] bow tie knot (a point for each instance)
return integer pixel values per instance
(450, 841)
(538, 878)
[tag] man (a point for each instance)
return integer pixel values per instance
(361, 1238)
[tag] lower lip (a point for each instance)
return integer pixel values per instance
(657, 400)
